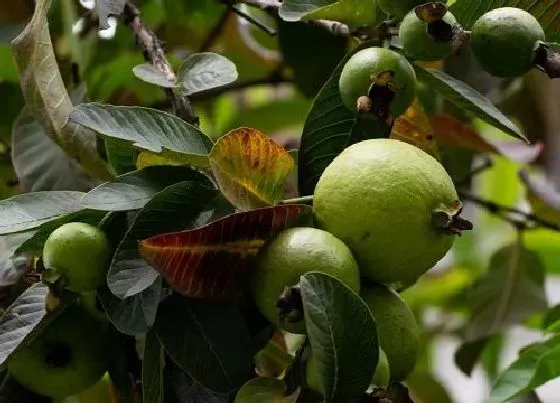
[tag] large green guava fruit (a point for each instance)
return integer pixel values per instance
(382, 374)
(418, 44)
(68, 357)
(282, 262)
(393, 74)
(505, 41)
(393, 204)
(80, 254)
(398, 332)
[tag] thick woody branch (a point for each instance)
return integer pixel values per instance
(153, 51)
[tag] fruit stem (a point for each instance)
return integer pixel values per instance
(298, 200)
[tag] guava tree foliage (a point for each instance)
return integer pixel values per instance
(157, 139)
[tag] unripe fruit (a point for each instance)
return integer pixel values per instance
(399, 8)
(68, 357)
(505, 40)
(418, 44)
(80, 254)
(398, 332)
(384, 199)
(392, 71)
(293, 253)
(382, 374)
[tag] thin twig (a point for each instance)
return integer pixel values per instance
(216, 31)
(274, 79)
(153, 51)
(503, 211)
(266, 29)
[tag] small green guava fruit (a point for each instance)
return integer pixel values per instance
(398, 332)
(418, 44)
(68, 357)
(400, 8)
(281, 263)
(101, 392)
(386, 76)
(80, 254)
(393, 204)
(382, 374)
(505, 41)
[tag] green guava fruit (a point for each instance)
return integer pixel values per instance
(101, 392)
(382, 375)
(80, 254)
(70, 355)
(418, 44)
(505, 41)
(398, 332)
(399, 8)
(393, 75)
(393, 204)
(286, 258)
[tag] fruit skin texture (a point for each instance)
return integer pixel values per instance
(399, 334)
(355, 78)
(416, 42)
(378, 196)
(504, 41)
(290, 255)
(382, 374)
(68, 357)
(80, 254)
(399, 8)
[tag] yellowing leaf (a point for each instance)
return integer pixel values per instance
(414, 128)
(250, 168)
(148, 158)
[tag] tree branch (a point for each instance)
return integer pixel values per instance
(153, 51)
(334, 27)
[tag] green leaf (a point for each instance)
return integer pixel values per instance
(520, 274)
(204, 71)
(209, 341)
(468, 99)
(186, 389)
(293, 10)
(174, 208)
(133, 190)
(40, 164)
(121, 155)
(46, 96)
(535, 366)
(21, 318)
(34, 245)
(468, 354)
(133, 315)
(426, 388)
(551, 322)
(153, 362)
(547, 12)
(148, 73)
(260, 390)
(329, 128)
(343, 337)
(355, 13)
(312, 52)
(28, 211)
(105, 8)
(147, 129)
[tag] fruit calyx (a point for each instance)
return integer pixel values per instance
(290, 305)
(547, 60)
(449, 220)
(438, 29)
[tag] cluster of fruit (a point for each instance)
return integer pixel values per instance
(386, 212)
(70, 356)
(507, 42)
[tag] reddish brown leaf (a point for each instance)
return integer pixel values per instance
(414, 128)
(210, 261)
(452, 132)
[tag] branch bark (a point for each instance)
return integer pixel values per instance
(153, 50)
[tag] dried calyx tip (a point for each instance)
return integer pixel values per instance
(290, 305)
(449, 220)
